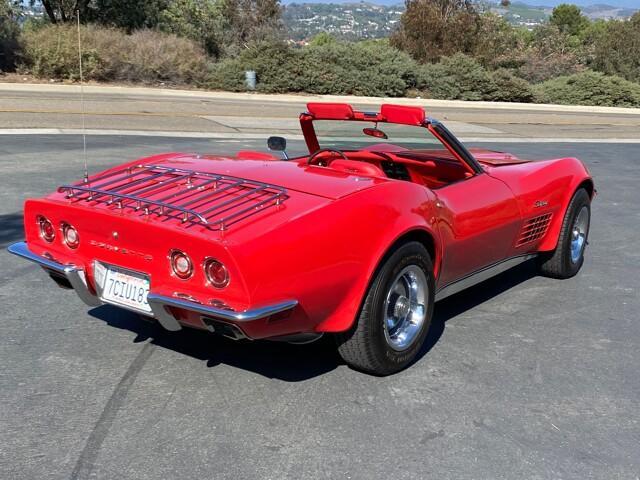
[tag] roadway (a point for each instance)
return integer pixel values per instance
(239, 115)
(520, 377)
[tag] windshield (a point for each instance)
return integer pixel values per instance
(348, 135)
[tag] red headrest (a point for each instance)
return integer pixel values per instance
(331, 111)
(402, 114)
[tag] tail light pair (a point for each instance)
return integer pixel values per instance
(182, 266)
(70, 235)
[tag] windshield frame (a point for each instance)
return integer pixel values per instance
(433, 127)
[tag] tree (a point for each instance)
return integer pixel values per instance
(617, 49)
(498, 42)
(321, 39)
(119, 13)
(430, 29)
(550, 53)
(64, 10)
(251, 20)
(127, 14)
(569, 19)
(199, 20)
(9, 31)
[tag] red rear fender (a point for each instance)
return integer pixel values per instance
(326, 258)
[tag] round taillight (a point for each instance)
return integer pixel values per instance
(70, 235)
(47, 231)
(216, 273)
(181, 264)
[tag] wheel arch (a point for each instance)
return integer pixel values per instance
(420, 235)
(551, 239)
(345, 318)
(589, 186)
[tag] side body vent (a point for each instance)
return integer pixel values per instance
(533, 229)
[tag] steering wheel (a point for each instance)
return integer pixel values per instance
(325, 150)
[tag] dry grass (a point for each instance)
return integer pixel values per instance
(109, 54)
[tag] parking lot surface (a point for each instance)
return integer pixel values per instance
(521, 376)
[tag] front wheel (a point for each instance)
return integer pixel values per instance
(395, 316)
(567, 259)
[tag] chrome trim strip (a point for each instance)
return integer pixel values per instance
(481, 275)
(74, 275)
(21, 250)
(159, 302)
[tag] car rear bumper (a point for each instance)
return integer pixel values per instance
(232, 323)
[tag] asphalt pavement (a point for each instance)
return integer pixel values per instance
(522, 377)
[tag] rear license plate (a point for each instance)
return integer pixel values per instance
(122, 287)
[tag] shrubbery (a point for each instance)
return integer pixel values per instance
(340, 68)
(111, 55)
(326, 66)
(590, 88)
(460, 77)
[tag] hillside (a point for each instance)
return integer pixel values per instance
(357, 21)
(350, 21)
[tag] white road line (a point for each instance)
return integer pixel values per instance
(259, 136)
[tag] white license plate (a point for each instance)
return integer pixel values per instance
(122, 287)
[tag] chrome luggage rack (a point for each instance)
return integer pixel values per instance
(209, 199)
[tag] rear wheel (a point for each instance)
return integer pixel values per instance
(395, 316)
(567, 259)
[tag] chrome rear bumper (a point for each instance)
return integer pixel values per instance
(75, 276)
(158, 303)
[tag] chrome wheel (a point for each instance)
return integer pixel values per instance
(579, 233)
(404, 307)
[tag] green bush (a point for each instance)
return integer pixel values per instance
(112, 55)
(370, 68)
(271, 61)
(590, 88)
(459, 77)
(510, 88)
(364, 68)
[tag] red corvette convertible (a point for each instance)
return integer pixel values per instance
(357, 238)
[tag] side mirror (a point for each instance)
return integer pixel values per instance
(278, 144)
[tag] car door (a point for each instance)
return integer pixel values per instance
(478, 223)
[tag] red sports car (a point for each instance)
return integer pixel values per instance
(358, 238)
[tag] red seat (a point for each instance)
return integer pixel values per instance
(357, 168)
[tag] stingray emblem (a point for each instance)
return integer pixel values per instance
(541, 203)
(123, 251)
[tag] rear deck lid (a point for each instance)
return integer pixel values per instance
(212, 193)
(314, 180)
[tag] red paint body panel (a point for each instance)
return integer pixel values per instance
(322, 245)
(476, 233)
